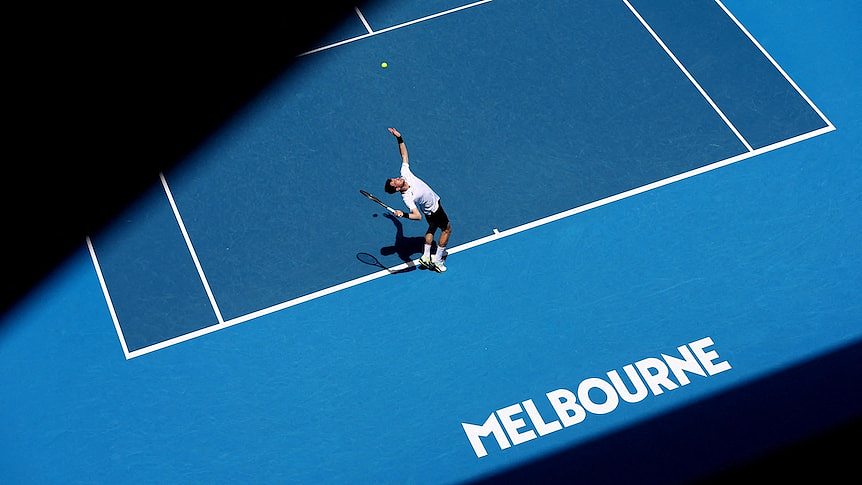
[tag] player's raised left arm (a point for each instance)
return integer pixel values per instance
(402, 148)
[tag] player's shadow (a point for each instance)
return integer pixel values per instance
(406, 248)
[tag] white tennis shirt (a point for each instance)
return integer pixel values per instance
(419, 195)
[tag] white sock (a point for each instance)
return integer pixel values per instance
(427, 252)
(438, 256)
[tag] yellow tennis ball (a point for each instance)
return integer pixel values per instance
(384, 65)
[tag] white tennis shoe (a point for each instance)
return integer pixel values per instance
(438, 267)
(425, 261)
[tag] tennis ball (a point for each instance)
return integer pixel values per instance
(384, 65)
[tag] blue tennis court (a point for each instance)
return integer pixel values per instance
(653, 273)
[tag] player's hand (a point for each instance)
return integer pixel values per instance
(399, 213)
(394, 132)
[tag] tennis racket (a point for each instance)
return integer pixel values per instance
(375, 199)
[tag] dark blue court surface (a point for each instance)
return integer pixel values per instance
(512, 118)
(653, 274)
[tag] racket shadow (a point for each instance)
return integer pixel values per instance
(405, 248)
(371, 260)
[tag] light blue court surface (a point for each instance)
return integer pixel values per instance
(628, 182)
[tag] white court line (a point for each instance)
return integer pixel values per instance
(107, 297)
(768, 56)
(268, 310)
(364, 22)
(642, 189)
(478, 242)
(191, 248)
(388, 29)
(689, 76)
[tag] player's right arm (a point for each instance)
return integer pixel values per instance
(414, 214)
(402, 148)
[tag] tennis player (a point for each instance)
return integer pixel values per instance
(421, 199)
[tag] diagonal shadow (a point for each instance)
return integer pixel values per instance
(143, 90)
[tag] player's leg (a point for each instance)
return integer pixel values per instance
(444, 236)
(441, 220)
(425, 260)
(437, 261)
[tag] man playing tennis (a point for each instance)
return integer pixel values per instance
(418, 196)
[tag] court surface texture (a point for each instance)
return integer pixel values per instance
(653, 275)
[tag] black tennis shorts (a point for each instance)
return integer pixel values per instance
(437, 220)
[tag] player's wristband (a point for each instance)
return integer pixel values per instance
(405, 215)
(400, 140)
